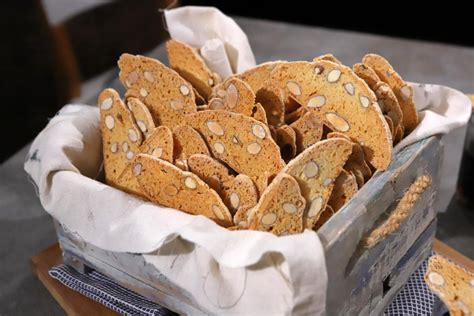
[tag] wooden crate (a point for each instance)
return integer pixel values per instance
(361, 281)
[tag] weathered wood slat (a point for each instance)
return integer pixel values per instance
(361, 281)
(356, 274)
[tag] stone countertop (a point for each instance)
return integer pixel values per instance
(25, 228)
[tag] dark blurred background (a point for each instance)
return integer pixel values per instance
(45, 59)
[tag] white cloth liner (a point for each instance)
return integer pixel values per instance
(215, 34)
(223, 272)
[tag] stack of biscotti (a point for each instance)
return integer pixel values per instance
(278, 148)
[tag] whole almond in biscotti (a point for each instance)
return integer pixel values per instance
(280, 208)
(356, 161)
(453, 284)
(165, 93)
(235, 95)
(121, 137)
(328, 57)
(286, 140)
(142, 116)
(402, 90)
(308, 130)
(241, 142)
(271, 97)
(341, 100)
(159, 144)
(316, 169)
(344, 189)
(209, 170)
(257, 76)
(240, 192)
(188, 142)
(167, 185)
(186, 61)
(324, 217)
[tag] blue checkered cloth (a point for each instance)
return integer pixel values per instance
(414, 299)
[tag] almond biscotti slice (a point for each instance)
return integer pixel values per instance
(308, 129)
(356, 163)
(271, 97)
(386, 99)
(186, 61)
(165, 93)
(453, 284)
(402, 90)
(316, 169)
(236, 191)
(280, 208)
(142, 116)
(241, 142)
(341, 100)
(257, 76)
(159, 144)
(167, 185)
(188, 142)
(286, 140)
(345, 187)
(121, 137)
(235, 95)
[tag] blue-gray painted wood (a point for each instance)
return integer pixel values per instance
(356, 275)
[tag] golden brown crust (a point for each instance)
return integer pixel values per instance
(168, 96)
(159, 144)
(315, 169)
(121, 137)
(453, 284)
(280, 208)
(402, 90)
(167, 185)
(186, 61)
(341, 100)
(241, 142)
